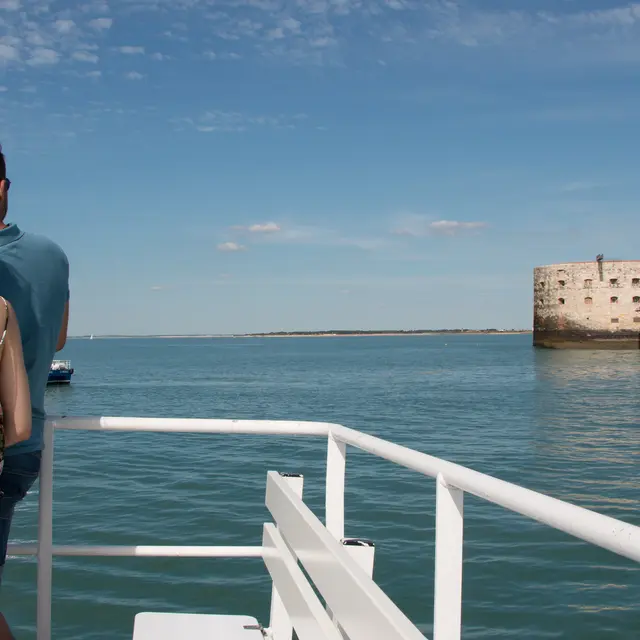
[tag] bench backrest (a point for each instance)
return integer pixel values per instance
(360, 607)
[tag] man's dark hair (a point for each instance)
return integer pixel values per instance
(3, 165)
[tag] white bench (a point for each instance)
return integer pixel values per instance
(193, 626)
(355, 605)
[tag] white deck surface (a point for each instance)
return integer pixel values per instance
(193, 626)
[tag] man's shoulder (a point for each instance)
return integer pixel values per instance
(39, 243)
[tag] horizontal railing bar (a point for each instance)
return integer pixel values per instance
(149, 551)
(612, 534)
(615, 535)
(194, 425)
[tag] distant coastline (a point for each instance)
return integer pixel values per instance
(339, 333)
(351, 334)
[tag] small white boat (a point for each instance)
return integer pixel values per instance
(60, 372)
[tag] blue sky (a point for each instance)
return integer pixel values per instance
(217, 166)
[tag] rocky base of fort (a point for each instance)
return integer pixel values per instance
(584, 339)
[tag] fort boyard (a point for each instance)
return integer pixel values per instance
(589, 305)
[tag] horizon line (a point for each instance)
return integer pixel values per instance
(312, 332)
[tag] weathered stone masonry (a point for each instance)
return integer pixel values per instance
(587, 305)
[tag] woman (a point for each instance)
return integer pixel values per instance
(15, 401)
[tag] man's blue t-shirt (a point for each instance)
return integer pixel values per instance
(34, 278)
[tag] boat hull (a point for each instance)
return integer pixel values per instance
(60, 377)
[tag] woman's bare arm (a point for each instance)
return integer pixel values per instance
(14, 385)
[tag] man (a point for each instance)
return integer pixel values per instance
(34, 278)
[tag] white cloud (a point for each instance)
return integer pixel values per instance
(273, 233)
(101, 24)
(623, 16)
(267, 227)
(34, 38)
(420, 226)
(218, 121)
(316, 32)
(3, 88)
(159, 56)
(453, 227)
(291, 24)
(134, 75)
(94, 74)
(42, 56)
(85, 56)
(128, 50)
(64, 26)
(230, 247)
(8, 53)
(95, 6)
(275, 34)
(157, 287)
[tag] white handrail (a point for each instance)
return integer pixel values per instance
(195, 425)
(615, 535)
(141, 551)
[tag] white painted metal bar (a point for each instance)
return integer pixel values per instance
(143, 551)
(334, 494)
(362, 551)
(309, 618)
(194, 425)
(362, 609)
(45, 538)
(615, 535)
(280, 624)
(447, 610)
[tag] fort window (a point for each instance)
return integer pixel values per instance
(636, 319)
(614, 320)
(635, 282)
(636, 299)
(560, 300)
(614, 300)
(613, 282)
(561, 283)
(587, 283)
(588, 300)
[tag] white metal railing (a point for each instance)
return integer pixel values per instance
(452, 481)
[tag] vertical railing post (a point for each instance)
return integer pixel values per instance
(447, 611)
(334, 496)
(362, 551)
(280, 626)
(45, 536)
(334, 491)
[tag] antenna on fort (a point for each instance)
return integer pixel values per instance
(600, 257)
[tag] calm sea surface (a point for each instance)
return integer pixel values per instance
(561, 422)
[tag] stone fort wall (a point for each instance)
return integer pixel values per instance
(589, 304)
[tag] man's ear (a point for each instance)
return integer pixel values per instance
(3, 200)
